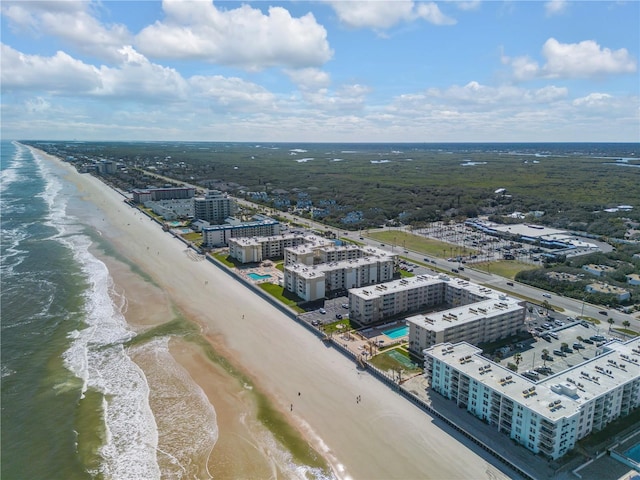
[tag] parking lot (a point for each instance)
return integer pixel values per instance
(331, 311)
(557, 343)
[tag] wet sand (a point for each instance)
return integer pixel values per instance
(381, 437)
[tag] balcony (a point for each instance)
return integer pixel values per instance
(546, 447)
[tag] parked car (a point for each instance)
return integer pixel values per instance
(578, 346)
(560, 353)
(322, 311)
(554, 335)
(345, 305)
(588, 340)
(338, 316)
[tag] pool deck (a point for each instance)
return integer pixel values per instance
(263, 269)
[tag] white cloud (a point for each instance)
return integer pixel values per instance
(381, 15)
(138, 79)
(573, 60)
(475, 96)
(58, 74)
(232, 93)
(72, 22)
(468, 5)
(37, 105)
(347, 98)
(243, 37)
(593, 100)
(585, 59)
(309, 78)
(556, 7)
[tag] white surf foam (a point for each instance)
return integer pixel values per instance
(97, 355)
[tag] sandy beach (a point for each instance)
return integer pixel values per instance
(314, 387)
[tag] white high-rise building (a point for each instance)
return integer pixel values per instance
(214, 207)
(547, 417)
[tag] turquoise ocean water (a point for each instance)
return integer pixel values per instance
(74, 405)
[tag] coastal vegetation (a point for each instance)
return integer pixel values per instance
(568, 278)
(368, 185)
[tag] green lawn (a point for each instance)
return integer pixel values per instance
(192, 237)
(226, 259)
(417, 243)
(504, 268)
(385, 361)
(282, 295)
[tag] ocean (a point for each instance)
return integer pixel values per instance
(74, 405)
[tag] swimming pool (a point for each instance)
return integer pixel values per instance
(257, 276)
(634, 453)
(397, 332)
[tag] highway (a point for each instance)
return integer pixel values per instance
(569, 306)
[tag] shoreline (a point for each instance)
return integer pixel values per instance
(386, 437)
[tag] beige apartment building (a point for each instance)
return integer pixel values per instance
(259, 248)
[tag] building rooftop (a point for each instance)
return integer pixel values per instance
(442, 320)
(606, 288)
(557, 396)
(252, 223)
(259, 240)
(310, 271)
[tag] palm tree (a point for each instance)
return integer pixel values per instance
(545, 353)
(517, 358)
(626, 324)
(546, 306)
(610, 322)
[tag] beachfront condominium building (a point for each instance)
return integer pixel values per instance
(547, 417)
(214, 207)
(143, 195)
(313, 271)
(480, 322)
(219, 235)
(256, 249)
(459, 309)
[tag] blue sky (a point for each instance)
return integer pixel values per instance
(321, 71)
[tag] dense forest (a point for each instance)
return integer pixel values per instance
(361, 185)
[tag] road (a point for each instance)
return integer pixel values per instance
(570, 306)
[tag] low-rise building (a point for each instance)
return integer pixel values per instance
(549, 416)
(143, 195)
(312, 282)
(633, 279)
(258, 248)
(598, 270)
(618, 293)
(489, 320)
(219, 235)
